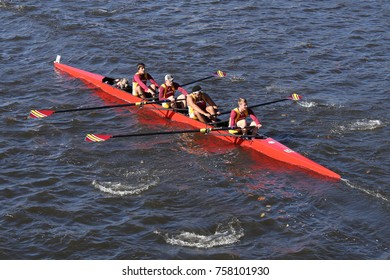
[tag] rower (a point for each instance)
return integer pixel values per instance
(167, 92)
(238, 118)
(140, 80)
(201, 107)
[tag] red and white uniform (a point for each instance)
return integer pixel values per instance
(141, 80)
(236, 116)
(167, 91)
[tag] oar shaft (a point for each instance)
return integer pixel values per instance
(159, 133)
(258, 105)
(104, 137)
(103, 107)
(209, 77)
(267, 103)
(115, 106)
(36, 114)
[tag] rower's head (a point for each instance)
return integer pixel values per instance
(197, 90)
(168, 79)
(242, 103)
(141, 67)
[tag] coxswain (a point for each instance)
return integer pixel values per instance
(238, 118)
(201, 106)
(140, 79)
(167, 93)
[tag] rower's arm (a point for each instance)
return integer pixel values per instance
(209, 100)
(253, 117)
(232, 120)
(152, 80)
(138, 80)
(182, 90)
(161, 93)
(191, 103)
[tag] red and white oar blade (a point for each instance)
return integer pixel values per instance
(38, 114)
(97, 137)
(220, 73)
(295, 96)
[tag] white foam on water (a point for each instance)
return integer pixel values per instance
(131, 183)
(365, 125)
(224, 235)
(307, 104)
(237, 78)
(120, 189)
(360, 125)
(369, 192)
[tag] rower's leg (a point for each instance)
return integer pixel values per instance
(255, 129)
(181, 101)
(242, 124)
(201, 117)
(154, 89)
(137, 91)
(211, 111)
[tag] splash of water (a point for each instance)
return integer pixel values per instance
(237, 78)
(360, 125)
(224, 235)
(307, 104)
(133, 183)
(365, 125)
(120, 189)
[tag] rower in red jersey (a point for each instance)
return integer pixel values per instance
(140, 80)
(201, 107)
(167, 92)
(238, 118)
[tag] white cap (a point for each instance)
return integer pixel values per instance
(168, 77)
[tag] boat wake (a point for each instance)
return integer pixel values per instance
(237, 78)
(361, 125)
(369, 192)
(224, 235)
(133, 184)
(307, 104)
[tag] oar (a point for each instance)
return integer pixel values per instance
(183, 110)
(105, 137)
(36, 114)
(294, 97)
(219, 73)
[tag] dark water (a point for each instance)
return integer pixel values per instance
(189, 196)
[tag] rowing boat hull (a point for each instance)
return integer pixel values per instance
(267, 146)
